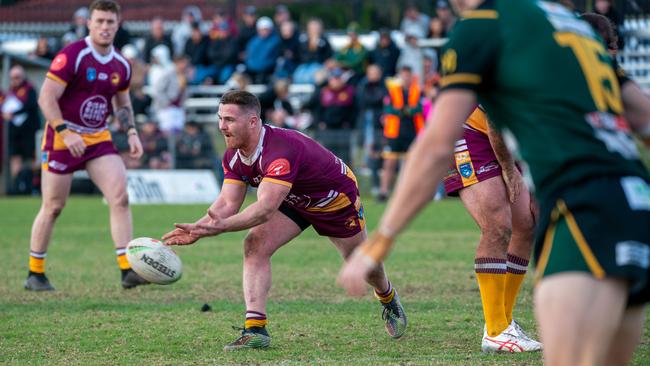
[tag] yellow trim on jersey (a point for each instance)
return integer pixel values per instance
(277, 181)
(234, 181)
(548, 244)
(481, 14)
(462, 78)
(590, 258)
(56, 78)
(338, 203)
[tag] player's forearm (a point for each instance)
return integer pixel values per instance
(504, 157)
(49, 105)
(124, 115)
(253, 215)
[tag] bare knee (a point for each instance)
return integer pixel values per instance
(496, 235)
(53, 209)
(254, 246)
(119, 201)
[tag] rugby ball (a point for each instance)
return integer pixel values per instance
(154, 261)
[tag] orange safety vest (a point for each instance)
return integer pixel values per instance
(392, 121)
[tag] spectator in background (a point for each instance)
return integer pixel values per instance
(221, 16)
(606, 8)
(289, 50)
(78, 29)
(353, 56)
(238, 81)
(262, 52)
(165, 91)
(221, 52)
(412, 56)
(276, 107)
(156, 38)
(43, 49)
(336, 115)
(444, 13)
(415, 21)
(182, 31)
(194, 149)
(403, 120)
(195, 50)
(314, 51)
(139, 100)
(386, 54)
(20, 110)
(154, 144)
(370, 99)
(430, 77)
(122, 37)
(247, 30)
(436, 28)
(281, 15)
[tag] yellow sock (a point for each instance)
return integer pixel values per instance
(516, 271)
(121, 259)
(37, 262)
(491, 277)
(255, 319)
(386, 296)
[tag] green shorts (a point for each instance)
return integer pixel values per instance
(600, 226)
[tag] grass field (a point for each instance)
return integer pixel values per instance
(90, 320)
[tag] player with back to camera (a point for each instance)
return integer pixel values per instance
(299, 184)
(87, 81)
(546, 80)
(485, 176)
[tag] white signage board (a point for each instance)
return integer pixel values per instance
(172, 186)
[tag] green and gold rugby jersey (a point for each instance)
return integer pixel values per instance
(545, 76)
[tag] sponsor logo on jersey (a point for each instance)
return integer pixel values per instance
(632, 253)
(59, 62)
(115, 78)
(91, 74)
(278, 167)
(53, 164)
(102, 76)
(351, 222)
(449, 61)
(466, 170)
(487, 167)
(93, 111)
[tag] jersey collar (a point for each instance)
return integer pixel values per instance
(258, 150)
(98, 56)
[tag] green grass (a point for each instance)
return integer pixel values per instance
(90, 320)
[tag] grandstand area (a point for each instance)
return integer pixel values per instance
(316, 83)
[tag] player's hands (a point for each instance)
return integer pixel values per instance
(135, 146)
(211, 227)
(179, 237)
(354, 273)
(74, 142)
(514, 181)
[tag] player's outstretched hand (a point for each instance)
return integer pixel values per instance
(179, 236)
(135, 147)
(354, 273)
(74, 142)
(209, 228)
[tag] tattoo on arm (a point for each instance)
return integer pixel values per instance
(124, 115)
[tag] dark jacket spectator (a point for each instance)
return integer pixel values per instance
(122, 37)
(386, 54)
(194, 149)
(247, 30)
(196, 46)
(43, 49)
(157, 37)
(314, 47)
(155, 147)
(289, 50)
(221, 52)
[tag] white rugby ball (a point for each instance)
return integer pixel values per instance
(154, 261)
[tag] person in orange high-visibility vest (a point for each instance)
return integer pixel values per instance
(403, 120)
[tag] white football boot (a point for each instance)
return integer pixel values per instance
(513, 340)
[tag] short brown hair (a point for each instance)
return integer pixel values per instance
(243, 99)
(104, 5)
(604, 27)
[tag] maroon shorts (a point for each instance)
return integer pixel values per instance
(62, 161)
(341, 223)
(474, 161)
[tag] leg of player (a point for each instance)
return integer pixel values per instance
(387, 176)
(627, 337)
(579, 317)
(393, 314)
(519, 252)
(487, 202)
(55, 190)
(109, 174)
(259, 245)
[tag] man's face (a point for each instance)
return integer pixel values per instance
(102, 27)
(459, 6)
(16, 77)
(157, 28)
(406, 76)
(263, 32)
(235, 125)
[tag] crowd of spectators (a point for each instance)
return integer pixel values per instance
(349, 82)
